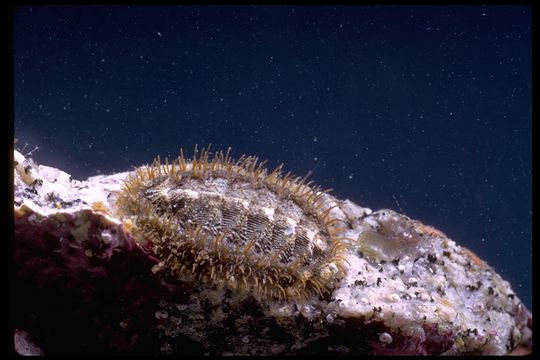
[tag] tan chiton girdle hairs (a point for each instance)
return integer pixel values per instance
(235, 224)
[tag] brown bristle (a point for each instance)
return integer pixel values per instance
(234, 223)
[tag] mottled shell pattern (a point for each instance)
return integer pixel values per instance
(233, 223)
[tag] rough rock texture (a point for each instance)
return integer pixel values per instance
(84, 286)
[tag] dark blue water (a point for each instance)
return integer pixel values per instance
(426, 110)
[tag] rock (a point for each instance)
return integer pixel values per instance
(86, 283)
(24, 344)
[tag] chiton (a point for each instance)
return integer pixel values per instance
(235, 224)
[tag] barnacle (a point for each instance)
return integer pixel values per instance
(233, 223)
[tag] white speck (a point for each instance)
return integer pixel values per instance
(89, 252)
(161, 314)
(245, 340)
(106, 237)
(316, 158)
(181, 307)
(401, 267)
(393, 297)
(269, 212)
(385, 338)
(364, 300)
(351, 176)
(102, 60)
(330, 318)
(315, 139)
(159, 34)
(306, 310)
(108, 110)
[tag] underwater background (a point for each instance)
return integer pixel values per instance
(426, 110)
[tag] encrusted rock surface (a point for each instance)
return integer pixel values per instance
(83, 285)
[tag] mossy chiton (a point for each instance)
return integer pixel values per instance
(235, 224)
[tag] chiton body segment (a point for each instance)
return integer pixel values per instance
(235, 224)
